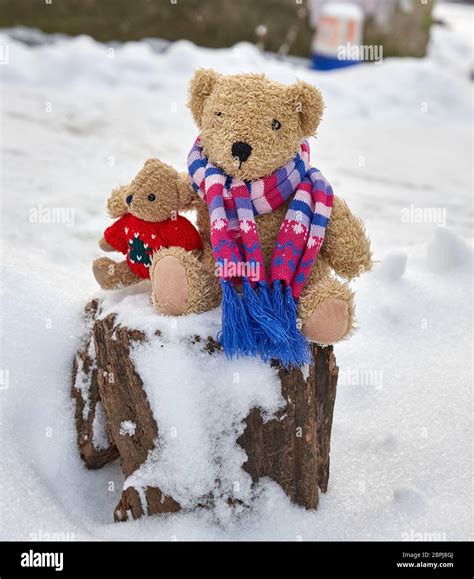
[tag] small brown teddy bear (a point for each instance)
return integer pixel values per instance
(148, 220)
(246, 172)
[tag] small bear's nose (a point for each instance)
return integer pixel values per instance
(241, 151)
(129, 199)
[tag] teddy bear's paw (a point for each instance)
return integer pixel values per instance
(328, 323)
(112, 275)
(105, 245)
(103, 269)
(170, 286)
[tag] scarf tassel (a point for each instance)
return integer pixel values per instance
(271, 336)
(236, 336)
(262, 321)
(300, 348)
(298, 351)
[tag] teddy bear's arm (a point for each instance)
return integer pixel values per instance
(116, 205)
(115, 235)
(346, 245)
(105, 245)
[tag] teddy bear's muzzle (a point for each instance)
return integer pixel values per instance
(241, 151)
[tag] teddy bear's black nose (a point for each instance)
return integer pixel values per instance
(129, 199)
(241, 150)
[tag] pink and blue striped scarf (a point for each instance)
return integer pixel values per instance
(261, 319)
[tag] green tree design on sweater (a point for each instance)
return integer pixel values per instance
(139, 252)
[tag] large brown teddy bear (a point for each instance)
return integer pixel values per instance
(249, 127)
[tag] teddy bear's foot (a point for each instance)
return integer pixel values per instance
(112, 275)
(170, 286)
(329, 323)
(181, 284)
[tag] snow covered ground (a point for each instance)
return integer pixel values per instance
(79, 117)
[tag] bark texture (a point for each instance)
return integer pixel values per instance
(85, 393)
(292, 448)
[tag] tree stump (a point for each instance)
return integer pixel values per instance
(292, 448)
(88, 406)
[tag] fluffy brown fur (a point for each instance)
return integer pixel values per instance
(174, 267)
(113, 275)
(116, 206)
(162, 180)
(171, 192)
(241, 108)
(228, 109)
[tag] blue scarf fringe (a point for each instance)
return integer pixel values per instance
(236, 336)
(262, 321)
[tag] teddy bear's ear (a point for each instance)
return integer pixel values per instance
(151, 162)
(200, 88)
(156, 164)
(309, 105)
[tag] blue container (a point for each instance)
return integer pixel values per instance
(339, 28)
(323, 62)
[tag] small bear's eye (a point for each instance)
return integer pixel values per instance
(276, 125)
(151, 197)
(218, 114)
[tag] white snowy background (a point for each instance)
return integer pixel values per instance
(78, 118)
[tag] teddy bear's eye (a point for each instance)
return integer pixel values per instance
(276, 125)
(218, 114)
(151, 197)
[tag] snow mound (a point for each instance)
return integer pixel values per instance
(446, 251)
(392, 267)
(199, 402)
(133, 308)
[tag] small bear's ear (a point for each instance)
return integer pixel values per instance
(151, 162)
(156, 164)
(309, 105)
(200, 88)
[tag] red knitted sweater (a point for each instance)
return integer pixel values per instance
(139, 239)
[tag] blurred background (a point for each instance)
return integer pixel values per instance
(280, 26)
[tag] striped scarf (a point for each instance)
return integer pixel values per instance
(261, 319)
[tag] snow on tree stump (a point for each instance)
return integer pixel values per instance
(114, 418)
